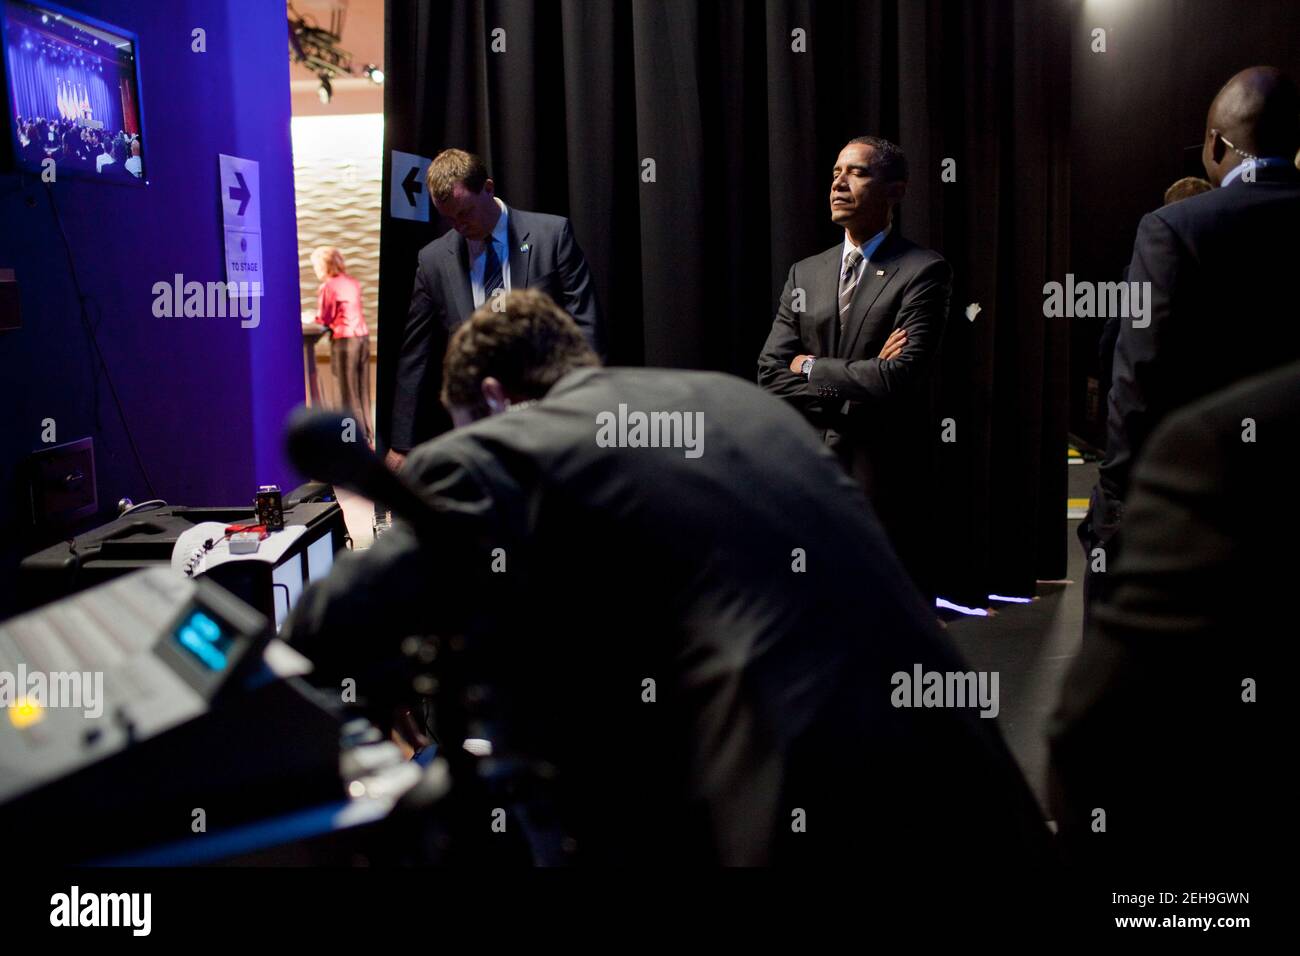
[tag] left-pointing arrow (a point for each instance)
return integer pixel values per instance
(411, 186)
(241, 193)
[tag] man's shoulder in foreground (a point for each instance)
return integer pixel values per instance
(662, 389)
(1272, 184)
(1249, 422)
(571, 405)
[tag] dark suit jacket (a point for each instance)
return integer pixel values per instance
(773, 684)
(1106, 353)
(1224, 301)
(1151, 725)
(875, 415)
(543, 255)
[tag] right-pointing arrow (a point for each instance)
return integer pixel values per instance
(241, 193)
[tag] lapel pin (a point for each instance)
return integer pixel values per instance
(880, 272)
(524, 247)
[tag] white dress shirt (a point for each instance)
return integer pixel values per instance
(478, 256)
(1261, 162)
(868, 249)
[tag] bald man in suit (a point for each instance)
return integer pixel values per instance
(1219, 266)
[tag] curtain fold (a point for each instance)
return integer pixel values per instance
(742, 107)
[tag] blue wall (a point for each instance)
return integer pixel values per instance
(205, 398)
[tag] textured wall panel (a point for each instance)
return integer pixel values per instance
(338, 179)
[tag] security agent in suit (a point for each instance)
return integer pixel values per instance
(1223, 294)
(698, 687)
(1182, 189)
(1154, 726)
(490, 249)
(855, 337)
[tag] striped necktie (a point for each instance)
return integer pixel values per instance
(849, 282)
(492, 278)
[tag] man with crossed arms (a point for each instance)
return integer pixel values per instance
(855, 358)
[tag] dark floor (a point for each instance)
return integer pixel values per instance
(1031, 646)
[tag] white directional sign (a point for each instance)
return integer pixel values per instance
(241, 211)
(408, 196)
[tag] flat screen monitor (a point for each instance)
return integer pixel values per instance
(320, 558)
(72, 94)
(287, 584)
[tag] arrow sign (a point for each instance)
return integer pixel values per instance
(408, 199)
(241, 205)
(411, 185)
(241, 212)
(240, 193)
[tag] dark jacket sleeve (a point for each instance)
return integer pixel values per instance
(783, 343)
(406, 584)
(1106, 342)
(1139, 384)
(579, 298)
(923, 313)
(1156, 678)
(419, 366)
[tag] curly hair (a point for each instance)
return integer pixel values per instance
(527, 344)
(330, 260)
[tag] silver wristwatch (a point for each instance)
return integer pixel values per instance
(805, 369)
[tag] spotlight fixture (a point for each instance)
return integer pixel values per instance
(317, 48)
(375, 74)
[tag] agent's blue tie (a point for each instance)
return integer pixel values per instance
(492, 278)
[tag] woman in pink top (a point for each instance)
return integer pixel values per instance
(340, 311)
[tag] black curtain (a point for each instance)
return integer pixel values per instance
(743, 130)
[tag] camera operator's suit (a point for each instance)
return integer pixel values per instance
(750, 584)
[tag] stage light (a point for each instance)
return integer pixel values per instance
(960, 609)
(375, 73)
(317, 49)
(45, 18)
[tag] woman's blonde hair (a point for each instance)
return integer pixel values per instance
(329, 259)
